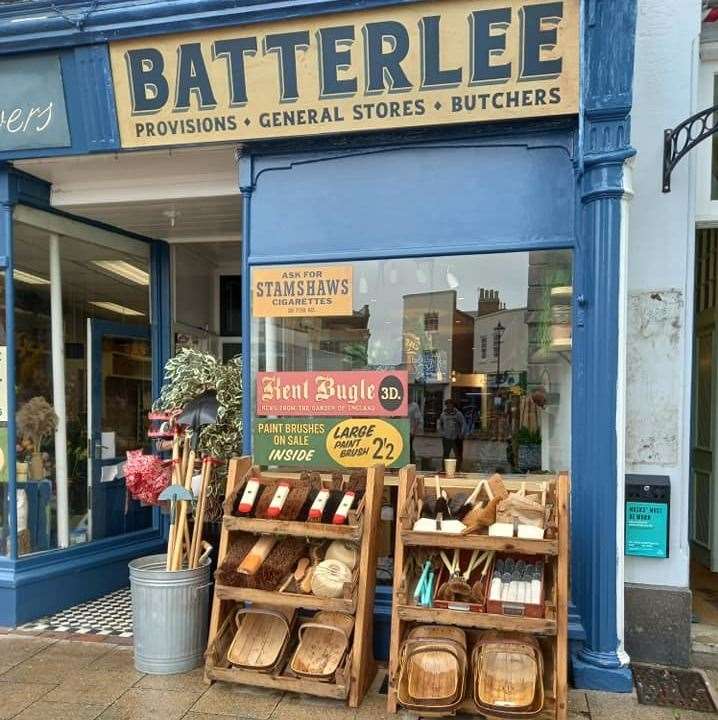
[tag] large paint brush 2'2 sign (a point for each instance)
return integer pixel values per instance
(426, 63)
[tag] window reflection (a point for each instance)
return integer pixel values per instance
(486, 343)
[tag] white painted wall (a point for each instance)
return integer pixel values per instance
(659, 276)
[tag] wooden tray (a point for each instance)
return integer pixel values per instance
(261, 638)
(323, 642)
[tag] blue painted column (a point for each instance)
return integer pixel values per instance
(246, 187)
(607, 77)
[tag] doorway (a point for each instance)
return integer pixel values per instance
(704, 495)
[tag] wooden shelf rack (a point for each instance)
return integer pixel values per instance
(353, 679)
(551, 630)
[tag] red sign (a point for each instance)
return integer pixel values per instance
(351, 393)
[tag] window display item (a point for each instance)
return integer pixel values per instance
(342, 512)
(346, 553)
(257, 555)
(280, 497)
(317, 509)
(329, 579)
(323, 643)
(249, 497)
(262, 637)
(432, 669)
(517, 587)
(508, 675)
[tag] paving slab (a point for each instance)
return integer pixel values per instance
(14, 649)
(193, 681)
(137, 704)
(42, 710)
(15, 697)
(307, 707)
(238, 701)
(93, 687)
(577, 702)
(54, 663)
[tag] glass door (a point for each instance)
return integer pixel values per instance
(119, 398)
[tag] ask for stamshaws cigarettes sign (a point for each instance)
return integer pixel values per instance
(409, 65)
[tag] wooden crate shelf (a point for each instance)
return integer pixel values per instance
(482, 621)
(352, 680)
(479, 542)
(347, 533)
(285, 599)
(551, 631)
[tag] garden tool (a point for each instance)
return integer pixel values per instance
(197, 413)
(173, 493)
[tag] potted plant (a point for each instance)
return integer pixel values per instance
(528, 443)
(35, 421)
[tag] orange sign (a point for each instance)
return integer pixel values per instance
(302, 291)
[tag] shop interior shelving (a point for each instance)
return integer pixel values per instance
(551, 630)
(352, 680)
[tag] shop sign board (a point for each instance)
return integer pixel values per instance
(32, 104)
(401, 66)
(302, 291)
(331, 443)
(354, 393)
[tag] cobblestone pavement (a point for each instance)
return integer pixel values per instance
(49, 678)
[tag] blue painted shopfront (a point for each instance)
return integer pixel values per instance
(474, 189)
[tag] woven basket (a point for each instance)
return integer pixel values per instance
(432, 669)
(508, 675)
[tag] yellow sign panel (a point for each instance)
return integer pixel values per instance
(352, 442)
(417, 64)
(302, 291)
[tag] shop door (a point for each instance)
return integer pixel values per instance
(704, 543)
(119, 398)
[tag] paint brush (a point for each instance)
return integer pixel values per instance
(464, 510)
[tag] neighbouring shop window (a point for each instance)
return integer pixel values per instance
(78, 495)
(435, 317)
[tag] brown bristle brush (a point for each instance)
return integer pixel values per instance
(315, 486)
(228, 573)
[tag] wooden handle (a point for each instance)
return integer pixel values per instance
(257, 555)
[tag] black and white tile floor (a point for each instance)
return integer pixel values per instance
(110, 615)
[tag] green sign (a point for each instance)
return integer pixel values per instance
(647, 529)
(332, 442)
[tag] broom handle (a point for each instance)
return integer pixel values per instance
(171, 534)
(199, 520)
(179, 533)
(193, 544)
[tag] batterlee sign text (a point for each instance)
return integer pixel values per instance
(408, 65)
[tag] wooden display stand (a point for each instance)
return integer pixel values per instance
(353, 679)
(552, 630)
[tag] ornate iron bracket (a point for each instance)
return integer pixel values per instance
(683, 138)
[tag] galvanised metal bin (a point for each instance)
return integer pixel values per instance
(170, 613)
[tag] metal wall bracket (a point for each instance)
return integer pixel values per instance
(683, 138)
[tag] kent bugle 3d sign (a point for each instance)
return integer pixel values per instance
(424, 63)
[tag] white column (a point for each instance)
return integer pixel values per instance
(58, 393)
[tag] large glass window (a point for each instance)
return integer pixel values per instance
(488, 336)
(82, 324)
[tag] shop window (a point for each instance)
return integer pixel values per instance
(76, 492)
(435, 320)
(510, 412)
(714, 147)
(230, 305)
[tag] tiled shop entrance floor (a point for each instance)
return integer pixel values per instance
(110, 615)
(42, 678)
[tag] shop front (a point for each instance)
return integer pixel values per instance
(428, 190)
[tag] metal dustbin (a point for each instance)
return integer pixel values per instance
(170, 613)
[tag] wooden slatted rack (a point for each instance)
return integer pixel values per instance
(353, 679)
(552, 630)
